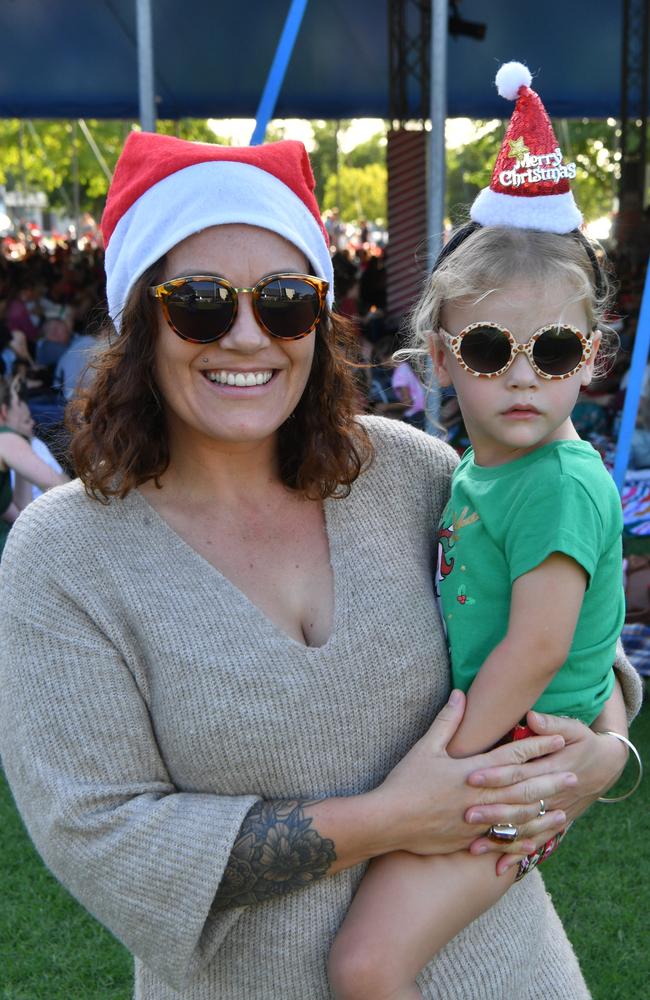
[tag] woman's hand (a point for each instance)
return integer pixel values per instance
(594, 760)
(427, 800)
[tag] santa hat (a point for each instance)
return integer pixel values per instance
(165, 189)
(530, 182)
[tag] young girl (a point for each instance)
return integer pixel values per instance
(529, 570)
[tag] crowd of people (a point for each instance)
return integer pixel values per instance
(48, 301)
(52, 305)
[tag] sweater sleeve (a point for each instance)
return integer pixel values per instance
(630, 681)
(81, 756)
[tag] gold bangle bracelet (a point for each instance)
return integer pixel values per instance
(630, 746)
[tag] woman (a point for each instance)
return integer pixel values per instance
(218, 707)
(17, 455)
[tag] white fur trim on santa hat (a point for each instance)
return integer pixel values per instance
(510, 77)
(552, 213)
(202, 195)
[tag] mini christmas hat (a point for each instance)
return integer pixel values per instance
(530, 182)
(165, 189)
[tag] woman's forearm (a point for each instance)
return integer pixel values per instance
(422, 806)
(285, 845)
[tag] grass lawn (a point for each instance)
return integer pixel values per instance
(600, 884)
(50, 949)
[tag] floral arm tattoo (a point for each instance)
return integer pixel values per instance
(277, 851)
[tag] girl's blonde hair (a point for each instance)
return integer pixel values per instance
(491, 258)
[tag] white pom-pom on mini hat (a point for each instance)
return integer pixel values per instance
(510, 77)
(165, 189)
(530, 186)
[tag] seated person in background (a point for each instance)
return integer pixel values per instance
(72, 372)
(19, 316)
(13, 346)
(382, 398)
(18, 457)
(53, 343)
(410, 391)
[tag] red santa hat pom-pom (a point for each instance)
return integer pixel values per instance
(510, 78)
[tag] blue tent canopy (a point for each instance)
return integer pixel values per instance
(75, 58)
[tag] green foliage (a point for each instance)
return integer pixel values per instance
(594, 147)
(324, 158)
(192, 129)
(358, 192)
(373, 150)
(592, 144)
(356, 181)
(39, 155)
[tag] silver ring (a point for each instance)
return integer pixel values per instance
(542, 808)
(502, 833)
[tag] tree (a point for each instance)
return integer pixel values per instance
(324, 155)
(594, 147)
(354, 182)
(373, 150)
(358, 192)
(39, 156)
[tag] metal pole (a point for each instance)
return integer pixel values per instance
(269, 97)
(634, 385)
(96, 150)
(145, 66)
(338, 164)
(75, 183)
(21, 158)
(438, 106)
(436, 171)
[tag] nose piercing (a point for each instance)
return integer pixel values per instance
(204, 360)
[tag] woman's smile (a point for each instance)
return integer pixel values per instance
(245, 378)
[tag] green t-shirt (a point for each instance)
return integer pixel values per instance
(502, 522)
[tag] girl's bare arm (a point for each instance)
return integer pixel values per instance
(544, 610)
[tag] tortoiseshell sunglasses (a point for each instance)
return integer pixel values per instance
(487, 350)
(201, 308)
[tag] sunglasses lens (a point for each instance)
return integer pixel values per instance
(557, 351)
(288, 307)
(485, 350)
(201, 310)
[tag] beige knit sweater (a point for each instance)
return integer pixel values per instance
(145, 704)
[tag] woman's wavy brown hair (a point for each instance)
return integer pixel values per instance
(118, 426)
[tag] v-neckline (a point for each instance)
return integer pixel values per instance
(336, 557)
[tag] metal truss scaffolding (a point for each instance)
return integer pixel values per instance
(634, 107)
(409, 24)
